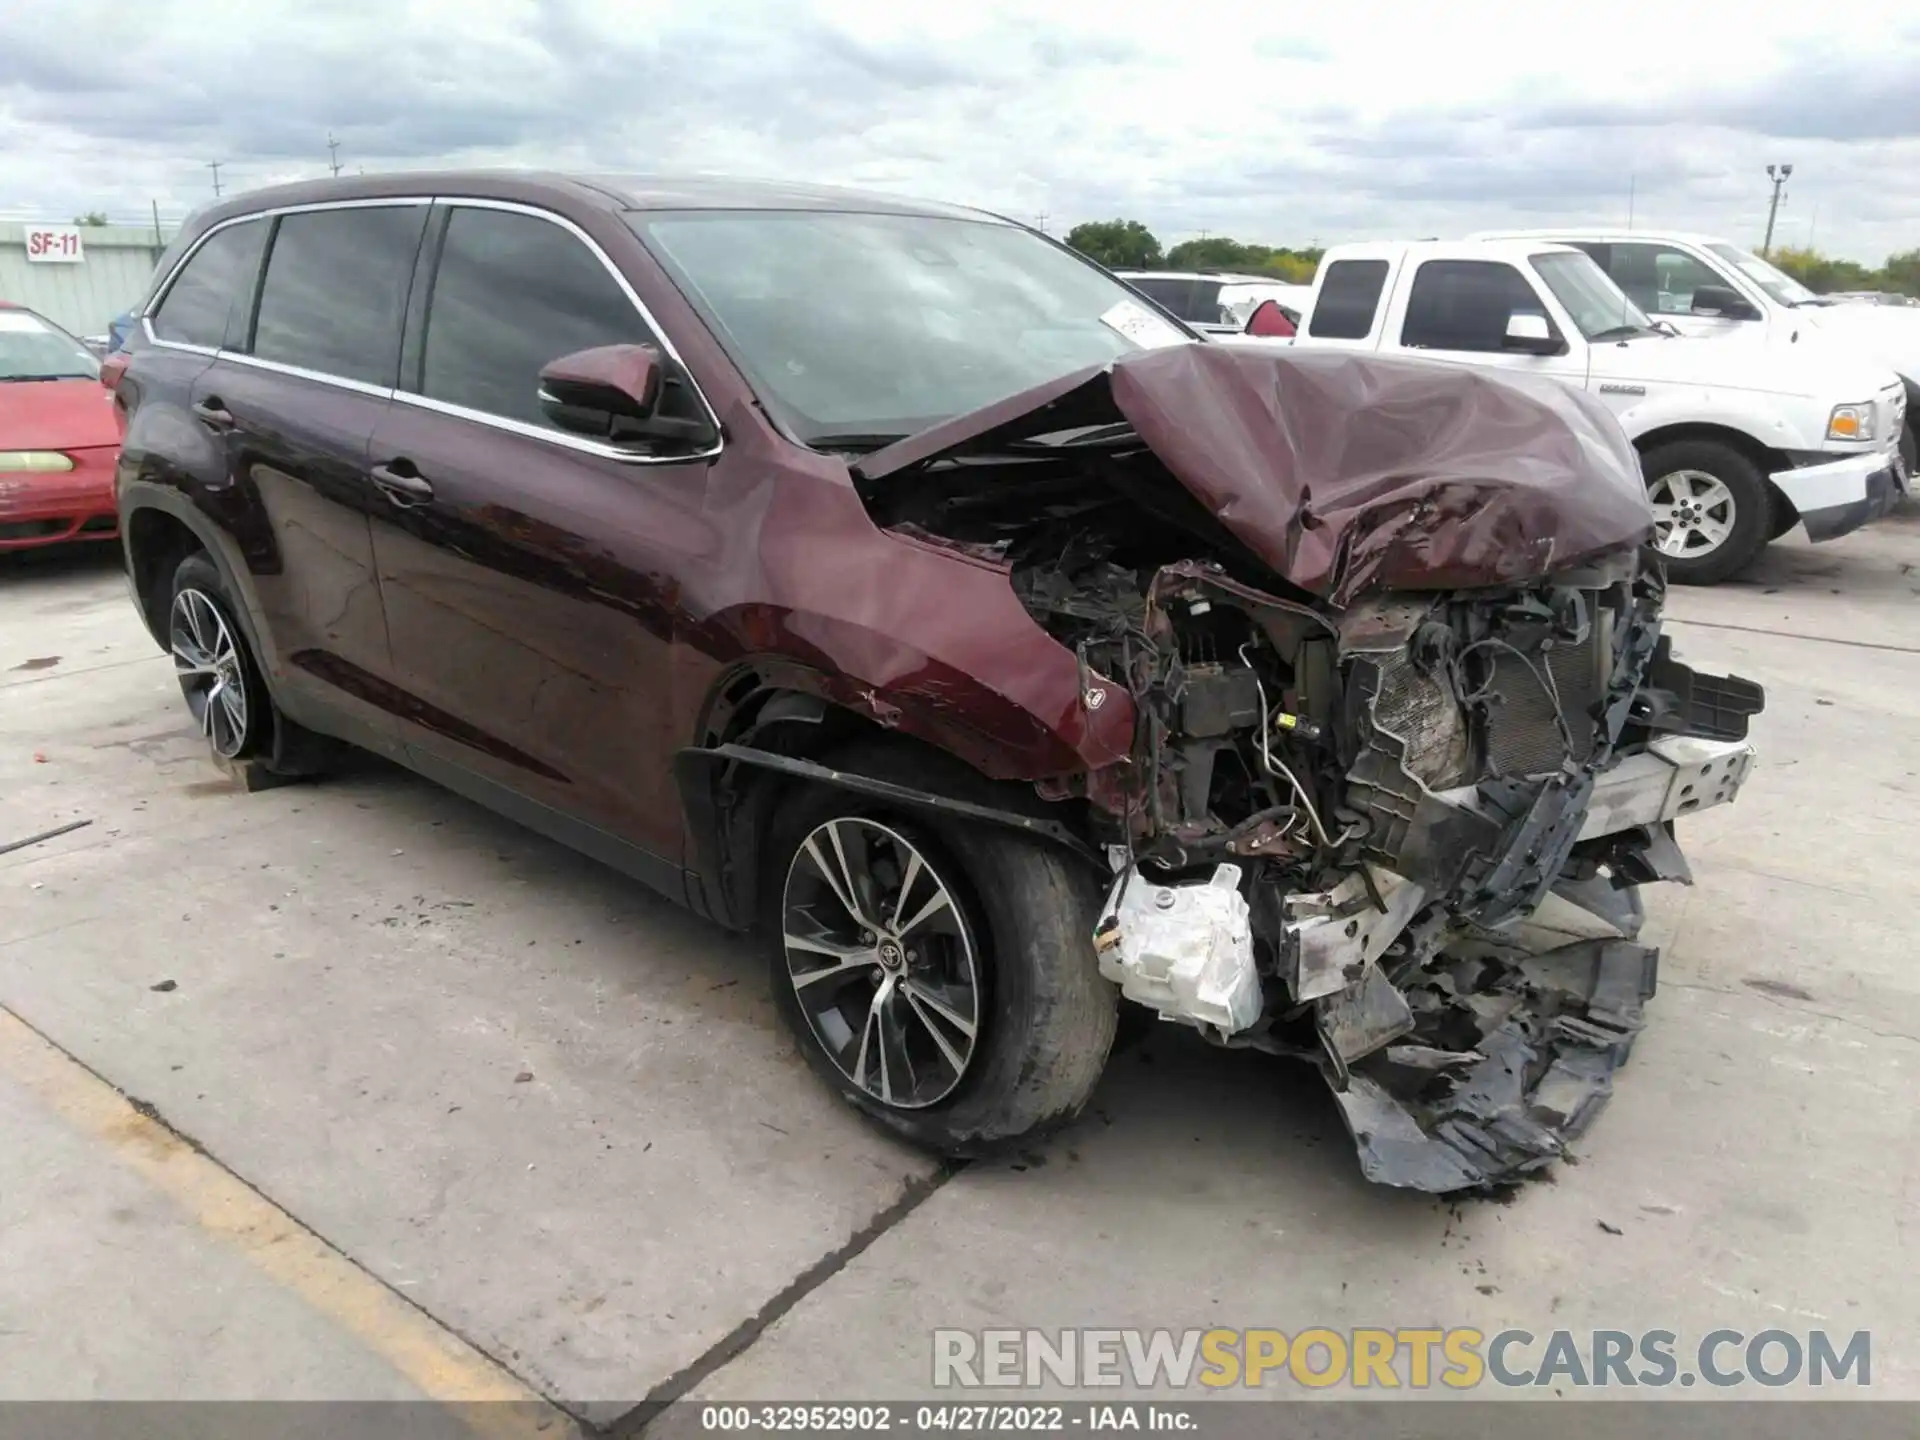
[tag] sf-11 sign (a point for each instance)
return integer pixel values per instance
(55, 244)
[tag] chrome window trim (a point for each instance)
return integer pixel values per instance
(499, 422)
(300, 372)
(654, 327)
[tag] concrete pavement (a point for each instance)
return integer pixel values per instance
(556, 1116)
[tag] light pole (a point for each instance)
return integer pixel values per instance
(1778, 175)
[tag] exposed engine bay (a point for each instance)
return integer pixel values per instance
(1341, 821)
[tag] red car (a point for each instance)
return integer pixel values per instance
(58, 438)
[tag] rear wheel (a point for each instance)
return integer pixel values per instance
(216, 672)
(940, 977)
(1712, 510)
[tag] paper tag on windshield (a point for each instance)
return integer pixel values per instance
(1141, 326)
(20, 322)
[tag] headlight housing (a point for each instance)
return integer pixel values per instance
(14, 461)
(1851, 422)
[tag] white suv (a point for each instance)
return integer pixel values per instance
(1217, 302)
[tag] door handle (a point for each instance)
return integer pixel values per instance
(404, 488)
(213, 414)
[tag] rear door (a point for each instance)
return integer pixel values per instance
(530, 576)
(297, 397)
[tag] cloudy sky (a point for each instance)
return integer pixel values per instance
(1284, 124)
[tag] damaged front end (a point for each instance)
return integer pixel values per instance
(1400, 688)
(1399, 792)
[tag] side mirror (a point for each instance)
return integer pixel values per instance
(1270, 322)
(617, 393)
(613, 380)
(1724, 302)
(1530, 334)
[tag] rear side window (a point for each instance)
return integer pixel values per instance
(1170, 293)
(216, 282)
(335, 291)
(512, 292)
(1465, 305)
(1349, 294)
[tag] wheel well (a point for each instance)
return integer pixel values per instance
(1765, 458)
(739, 801)
(156, 544)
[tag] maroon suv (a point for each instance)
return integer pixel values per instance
(887, 577)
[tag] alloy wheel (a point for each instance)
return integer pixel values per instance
(1693, 513)
(207, 663)
(882, 962)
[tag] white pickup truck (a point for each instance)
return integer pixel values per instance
(1738, 443)
(1705, 286)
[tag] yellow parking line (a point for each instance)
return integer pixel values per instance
(447, 1369)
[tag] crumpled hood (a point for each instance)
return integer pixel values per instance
(1349, 473)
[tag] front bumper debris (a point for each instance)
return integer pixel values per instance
(1509, 1057)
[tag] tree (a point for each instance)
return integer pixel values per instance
(1116, 244)
(1219, 252)
(1823, 274)
(92, 217)
(1902, 272)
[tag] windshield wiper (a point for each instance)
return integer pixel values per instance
(30, 379)
(853, 441)
(1623, 332)
(1081, 435)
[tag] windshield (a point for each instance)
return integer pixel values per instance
(1600, 308)
(31, 349)
(858, 328)
(1782, 287)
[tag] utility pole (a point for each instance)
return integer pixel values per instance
(1041, 220)
(158, 243)
(214, 165)
(1632, 181)
(1778, 175)
(333, 153)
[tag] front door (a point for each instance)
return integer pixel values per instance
(530, 577)
(1458, 311)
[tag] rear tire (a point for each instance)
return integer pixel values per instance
(217, 673)
(1712, 506)
(1020, 922)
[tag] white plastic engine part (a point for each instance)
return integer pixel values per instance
(1184, 950)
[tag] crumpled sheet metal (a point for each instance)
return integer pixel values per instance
(1540, 1073)
(1350, 473)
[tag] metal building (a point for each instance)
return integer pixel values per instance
(104, 269)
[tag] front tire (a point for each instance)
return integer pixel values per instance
(1713, 510)
(217, 673)
(939, 977)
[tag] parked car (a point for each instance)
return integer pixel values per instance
(1872, 297)
(118, 330)
(855, 569)
(57, 437)
(1739, 445)
(1706, 286)
(1218, 303)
